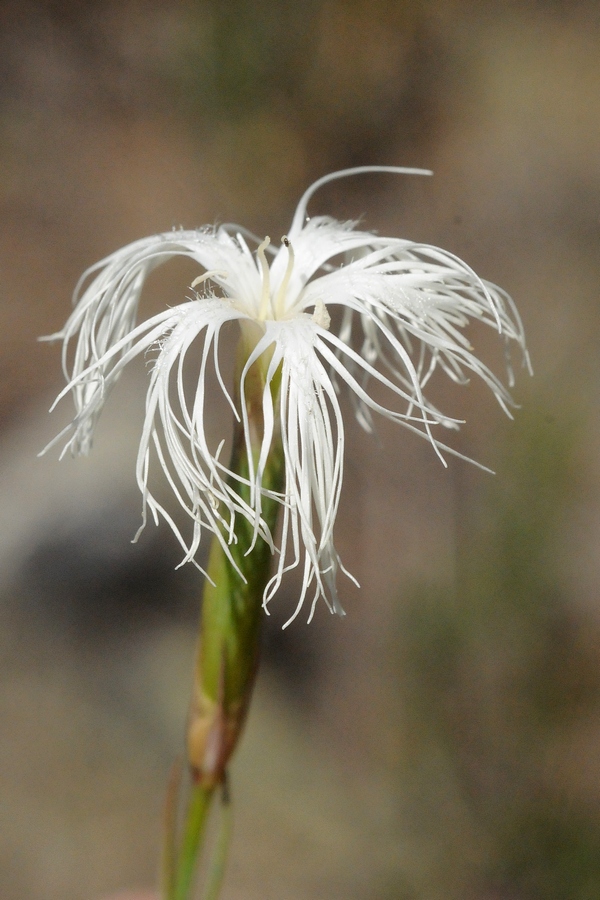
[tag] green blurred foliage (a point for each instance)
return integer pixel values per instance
(240, 56)
(498, 675)
(349, 78)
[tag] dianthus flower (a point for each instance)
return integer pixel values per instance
(333, 305)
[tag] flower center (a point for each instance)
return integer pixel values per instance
(273, 307)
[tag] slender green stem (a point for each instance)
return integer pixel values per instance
(169, 852)
(217, 866)
(195, 822)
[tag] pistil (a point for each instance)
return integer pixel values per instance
(265, 297)
(280, 297)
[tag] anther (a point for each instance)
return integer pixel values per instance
(321, 315)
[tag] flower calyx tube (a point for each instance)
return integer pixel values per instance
(232, 605)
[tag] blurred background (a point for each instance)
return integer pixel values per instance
(442, 741)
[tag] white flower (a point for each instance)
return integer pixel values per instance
(402, 305)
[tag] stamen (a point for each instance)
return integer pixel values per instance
(265, 297)
(280, 298)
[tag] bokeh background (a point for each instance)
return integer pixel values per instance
(443, 741)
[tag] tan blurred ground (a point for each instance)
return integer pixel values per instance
(118, 120)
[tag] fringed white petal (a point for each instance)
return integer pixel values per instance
(107, 296)
(404, 311)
